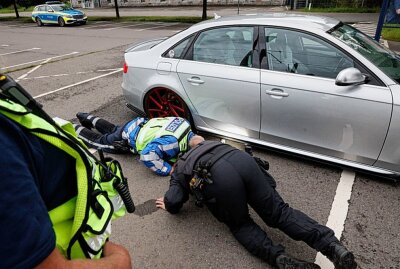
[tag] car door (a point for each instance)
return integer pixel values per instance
(51, 16)
(303, 109)
(221, 80)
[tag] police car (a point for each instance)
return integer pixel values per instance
(57, 14)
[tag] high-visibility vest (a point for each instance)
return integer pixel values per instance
(82, 224)
(158, 127)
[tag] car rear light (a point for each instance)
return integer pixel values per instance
(125, 68)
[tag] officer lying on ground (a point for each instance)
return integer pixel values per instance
(211, 168)
(158, 140)
(48, 188)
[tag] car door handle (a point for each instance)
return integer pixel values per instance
(195, 80)
(277, 92)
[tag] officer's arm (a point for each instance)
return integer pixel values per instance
(155, 154)
(176, 195)
(115, 257)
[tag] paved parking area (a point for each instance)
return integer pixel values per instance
(78, 68)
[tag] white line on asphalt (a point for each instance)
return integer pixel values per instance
(75, 52)
(5, 45)
(63, 75)
(96, 26)
(338, 214)
(160, 26)
(32, 70)
(19, 51)
(125, 26)
(78, 83)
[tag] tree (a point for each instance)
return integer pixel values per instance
(116, 8)
(15, 8)
(204, 16)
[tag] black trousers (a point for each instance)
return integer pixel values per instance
(239, 182)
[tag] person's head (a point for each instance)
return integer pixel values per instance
(195, 140)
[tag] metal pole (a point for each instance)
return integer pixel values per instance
(238, 7)
(381, 20)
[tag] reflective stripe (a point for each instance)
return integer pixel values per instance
(117, 202)
(97, 242)
(95, 121)
(168, 146)
(153, 168)
(159, 165)
(96, 145)
(149, 157)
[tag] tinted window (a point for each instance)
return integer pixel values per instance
(230, 45)
(177, 51)
(294, 52)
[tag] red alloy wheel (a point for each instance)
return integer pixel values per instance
(161, 102)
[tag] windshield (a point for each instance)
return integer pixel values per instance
(383, 58)
(60, 8)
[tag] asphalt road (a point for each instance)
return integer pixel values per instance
(75, 69)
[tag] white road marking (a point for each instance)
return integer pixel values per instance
(32, 70)
(5, 45)
(78, 83)
(19, 51)
(63, 75)
(97, 26)
(75, 52)
(154, 27)
(338, 214)
(125, 26)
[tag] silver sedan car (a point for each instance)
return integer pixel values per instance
(307, 85)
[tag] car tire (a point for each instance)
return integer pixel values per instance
(162, 102)
(61, 22)
(39, 22)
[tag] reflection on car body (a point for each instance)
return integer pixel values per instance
(303, 84)
(55, 13)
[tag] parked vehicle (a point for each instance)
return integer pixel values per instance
(308, 85)
(57, 14)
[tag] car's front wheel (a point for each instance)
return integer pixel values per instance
(161, 102)
(39, 22)
(61, 22)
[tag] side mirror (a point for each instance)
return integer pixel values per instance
(50, 10)
(350, 76)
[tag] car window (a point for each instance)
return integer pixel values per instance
(228, 45)
(177, 51)
(301, 53)
(49, 9)
(383, 58)
(42, 8)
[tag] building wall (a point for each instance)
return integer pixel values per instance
(133, 3)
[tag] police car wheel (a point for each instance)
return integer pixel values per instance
(39, 22)
(61, 22)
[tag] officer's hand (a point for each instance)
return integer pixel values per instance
(160, 203)
(119, 255)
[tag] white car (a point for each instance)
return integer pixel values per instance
(307, 85)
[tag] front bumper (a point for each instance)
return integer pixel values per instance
(72, 20)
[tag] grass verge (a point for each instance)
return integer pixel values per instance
(342, 10)
(182, 19)
(11, 9)
(391, 33)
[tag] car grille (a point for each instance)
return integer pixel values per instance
(77, 16)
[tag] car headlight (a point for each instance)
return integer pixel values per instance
(68, 16)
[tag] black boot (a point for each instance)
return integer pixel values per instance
(340, 256)
(84, 119)
(284, 261)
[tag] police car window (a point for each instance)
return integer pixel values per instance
(42, 8)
